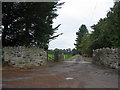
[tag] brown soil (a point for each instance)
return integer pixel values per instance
(74, 73)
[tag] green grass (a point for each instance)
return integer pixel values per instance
(67, 56)
(74, 56)
(50, 57)
(70, 56)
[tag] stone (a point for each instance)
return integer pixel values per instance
(107, 56)
(24, 56)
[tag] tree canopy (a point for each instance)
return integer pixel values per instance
(80, 34)
(29, 23)
(106, 33)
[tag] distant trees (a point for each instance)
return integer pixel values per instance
(106, 33)
(68, 51)
(74, 51)
(80, 34)
(28, 23)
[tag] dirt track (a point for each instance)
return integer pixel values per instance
(74, 73)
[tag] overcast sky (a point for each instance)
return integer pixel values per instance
(73, 14)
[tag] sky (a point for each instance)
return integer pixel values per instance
(72, 15)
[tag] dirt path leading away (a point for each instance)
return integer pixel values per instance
(74, 73)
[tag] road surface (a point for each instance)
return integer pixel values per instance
(74, 73)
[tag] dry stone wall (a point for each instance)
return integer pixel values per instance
(107, 56)
(24, 56)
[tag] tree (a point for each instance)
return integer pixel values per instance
(107, 31)
(29, 23)
(74, 51)
(113, 17)
(85, 46)
(82, 31)
(100, 36)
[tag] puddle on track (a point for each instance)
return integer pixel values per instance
(69, 78)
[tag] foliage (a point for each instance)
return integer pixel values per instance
(85, 45)
(29, 23)
(114, 25)
(106, 33)
(100, 35)
(74, 52)
(80, 34)
(64, 51)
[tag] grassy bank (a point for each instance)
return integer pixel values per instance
(67, 56)
(51, 57)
